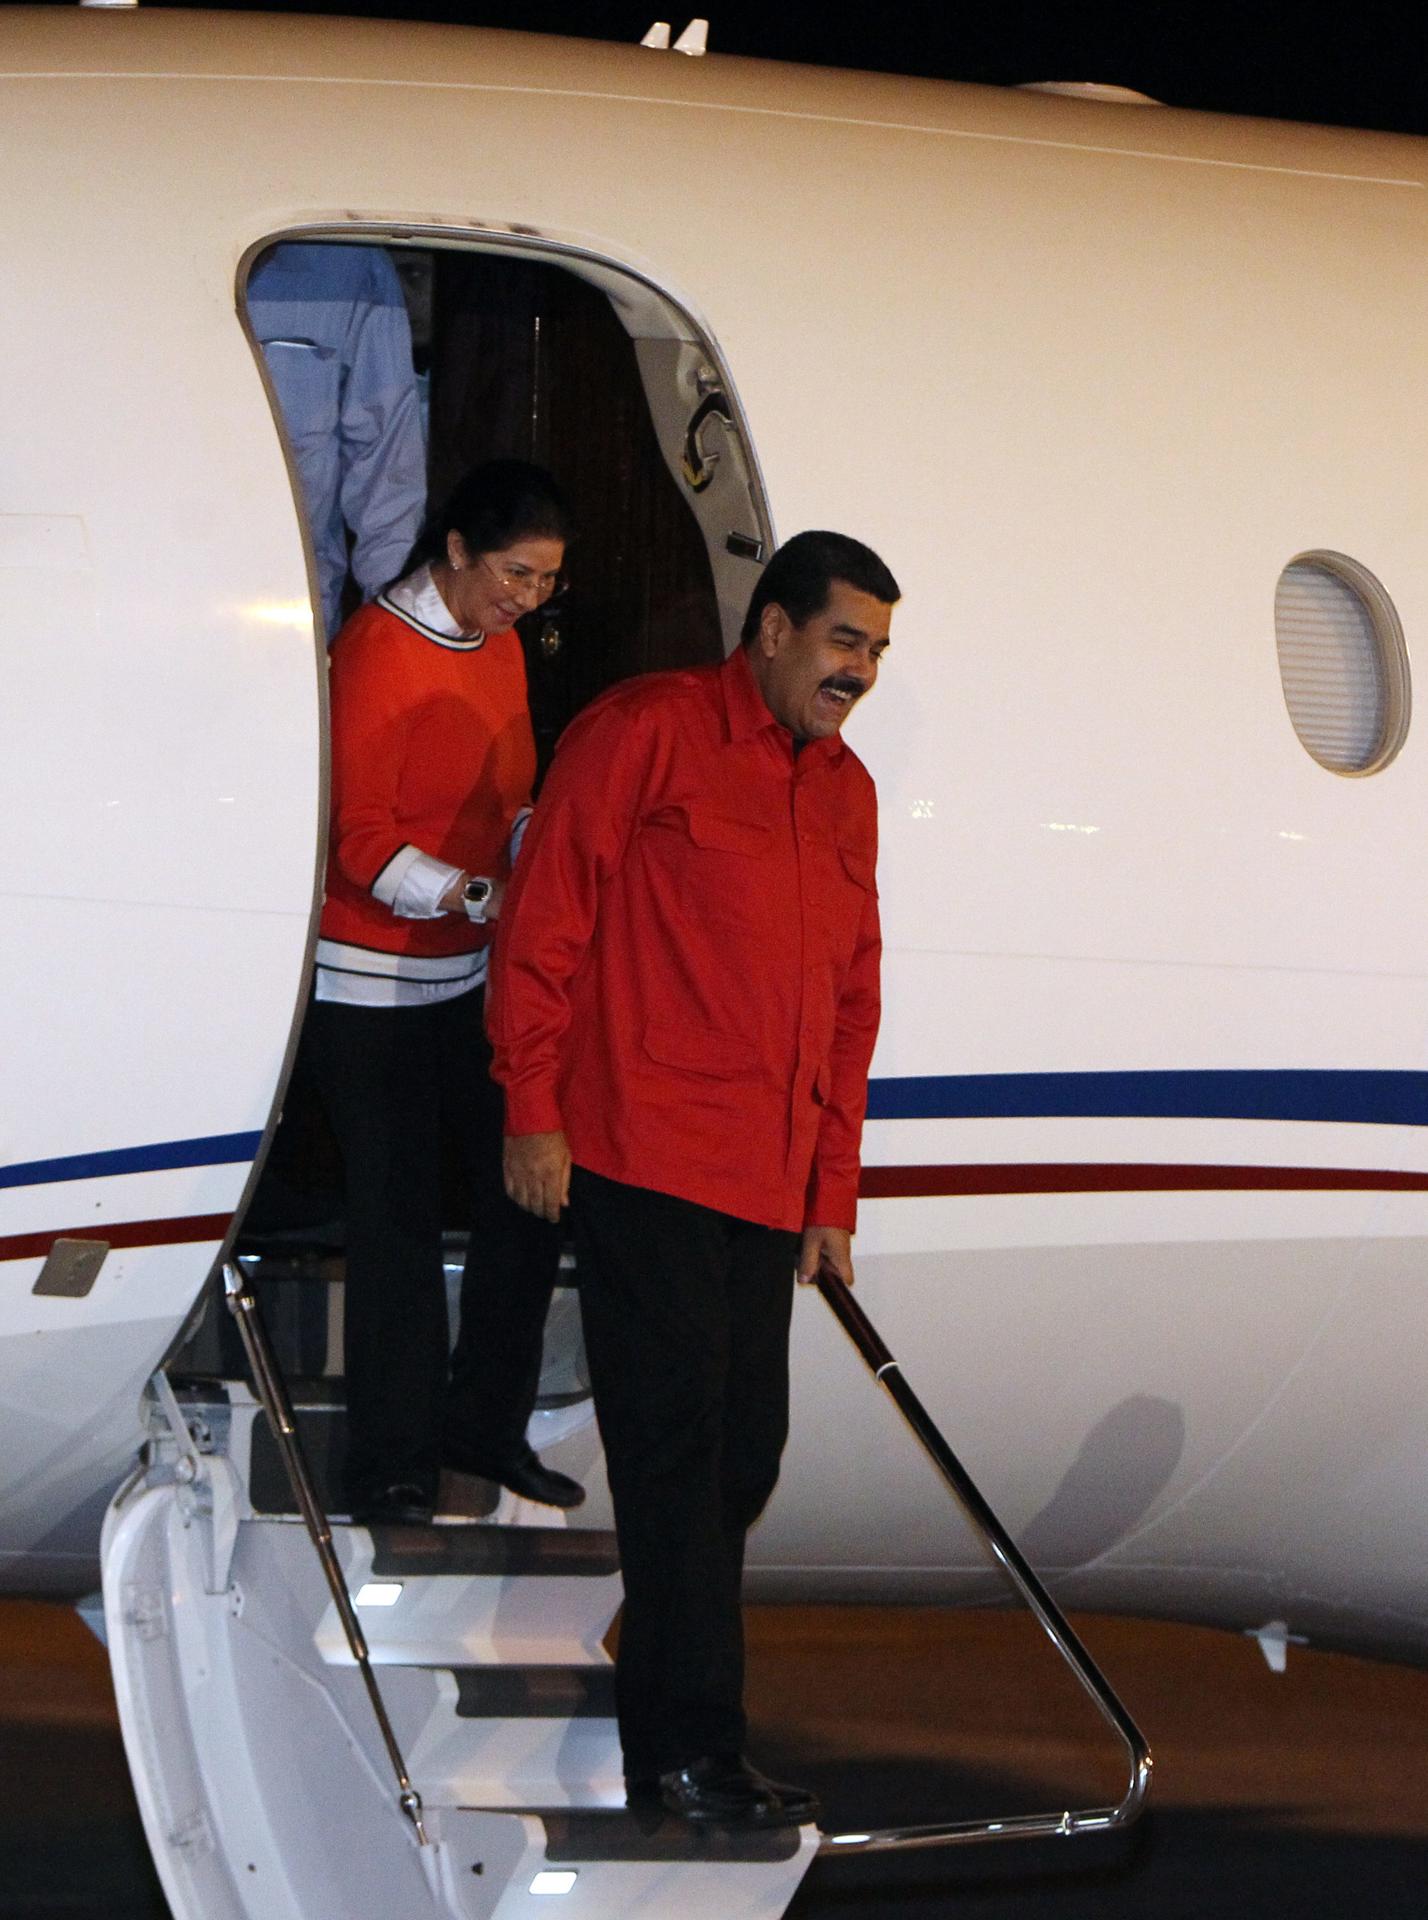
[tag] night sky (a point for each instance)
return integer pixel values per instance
(1355, 65)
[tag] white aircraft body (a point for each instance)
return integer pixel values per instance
(1147, 1156)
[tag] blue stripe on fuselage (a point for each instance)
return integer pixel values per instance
(1368, 1098)
(1348, 1097)
(213, 1150)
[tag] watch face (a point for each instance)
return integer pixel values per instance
(478, 892)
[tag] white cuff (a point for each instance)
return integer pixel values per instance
(518, 831)
(412, 884)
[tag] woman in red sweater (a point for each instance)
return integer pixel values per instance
(432, 764)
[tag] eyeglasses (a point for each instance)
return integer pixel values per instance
(518, 579)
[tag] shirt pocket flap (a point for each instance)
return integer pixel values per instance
(721, 1056)
(723, 834)
(858, 865)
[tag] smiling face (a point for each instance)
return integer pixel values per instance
(488, 592)
(813, 676)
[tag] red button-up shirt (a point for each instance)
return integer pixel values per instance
(686, 967)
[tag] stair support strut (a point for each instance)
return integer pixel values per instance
(273, 1394)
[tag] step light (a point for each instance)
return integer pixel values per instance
(549, 1882)
(379, 1593)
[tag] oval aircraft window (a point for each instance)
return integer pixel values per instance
(1342, 661)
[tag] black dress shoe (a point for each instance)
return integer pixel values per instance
(405, 1503)
(524, 1473)
(717, 1791)
(798, 1800)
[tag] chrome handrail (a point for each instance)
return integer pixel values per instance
(273, 1395)
(887, 1372)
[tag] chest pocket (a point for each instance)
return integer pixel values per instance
(705, 864)
(858, 867)
(720, 833)
(851, 879)
(307, 378)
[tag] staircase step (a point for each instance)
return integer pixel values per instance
(595, 1834)
(577, 1552)
(630, 1868)
(477, 1595)
(320, 1415)
(527, 1757)
(298, 1277)
(322, 1429)
(535, 1693)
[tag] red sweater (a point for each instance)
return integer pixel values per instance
(431, 748)
(686, 972)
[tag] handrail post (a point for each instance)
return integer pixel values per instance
(273, 1396)
(984, 1522)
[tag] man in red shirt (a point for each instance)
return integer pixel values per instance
(683, 1007)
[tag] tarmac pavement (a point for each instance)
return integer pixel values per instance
(1301, 1794)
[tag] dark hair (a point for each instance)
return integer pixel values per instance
(492, 507)
(802, 572)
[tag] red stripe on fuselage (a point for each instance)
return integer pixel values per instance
(119, 1233)
(877, 1183)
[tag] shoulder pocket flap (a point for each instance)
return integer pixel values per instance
(724, 1056)
(859, 867)
(718, 831)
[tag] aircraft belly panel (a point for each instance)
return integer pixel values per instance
(1164, 1427)
(70, 1422)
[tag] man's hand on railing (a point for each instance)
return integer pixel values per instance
(826, 1247)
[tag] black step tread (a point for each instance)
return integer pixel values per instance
(535, 1693)
(573, 1835)
(583, 1552)
(325, 1236)
(200, 1390)
(316, 1393)
(322, 1430)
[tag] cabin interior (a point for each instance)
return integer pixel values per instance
(560, 359)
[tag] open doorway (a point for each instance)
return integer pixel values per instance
(519, 350)
(554, 357)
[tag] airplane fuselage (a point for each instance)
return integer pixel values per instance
(1146, 1164)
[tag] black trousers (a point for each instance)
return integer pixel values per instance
(392, 1079)
(686, 1314)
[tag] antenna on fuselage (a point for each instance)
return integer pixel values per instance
(1101, 90)
(694, 40)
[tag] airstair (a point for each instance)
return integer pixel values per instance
(334, 1722)
(266, 1770)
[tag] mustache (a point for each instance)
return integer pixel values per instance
(842, 683)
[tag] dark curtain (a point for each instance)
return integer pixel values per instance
(531, 362)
